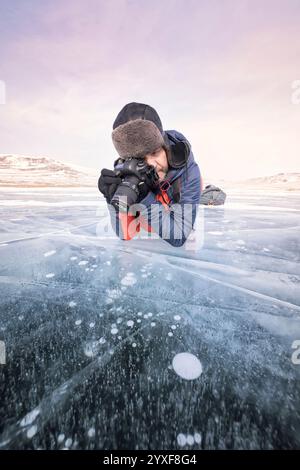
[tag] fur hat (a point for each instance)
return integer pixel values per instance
(137, 130)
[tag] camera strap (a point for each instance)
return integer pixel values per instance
(176, 190)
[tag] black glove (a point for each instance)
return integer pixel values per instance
(108, 183)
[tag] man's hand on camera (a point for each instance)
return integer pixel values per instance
(108, 183)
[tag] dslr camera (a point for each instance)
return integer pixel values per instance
(137, 179)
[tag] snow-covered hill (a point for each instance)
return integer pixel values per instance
(28, 171)
(21, 170)
(280, 181)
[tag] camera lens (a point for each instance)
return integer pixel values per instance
(119, 204)
(126, 194)
(134, 173)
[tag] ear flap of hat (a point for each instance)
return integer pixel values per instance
(179, 151)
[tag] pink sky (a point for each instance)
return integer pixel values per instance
(220, 72)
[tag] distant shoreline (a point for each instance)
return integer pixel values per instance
(7, 185)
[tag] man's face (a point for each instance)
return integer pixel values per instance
(159, 160)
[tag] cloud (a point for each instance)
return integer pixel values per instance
(221, 74)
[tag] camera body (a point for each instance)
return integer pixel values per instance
(137, 179)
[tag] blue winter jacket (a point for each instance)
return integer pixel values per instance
(170, 211)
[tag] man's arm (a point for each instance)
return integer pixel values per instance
(174, 225)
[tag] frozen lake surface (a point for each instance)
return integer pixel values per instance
(139, 345)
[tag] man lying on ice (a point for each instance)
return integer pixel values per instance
(156, 183)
